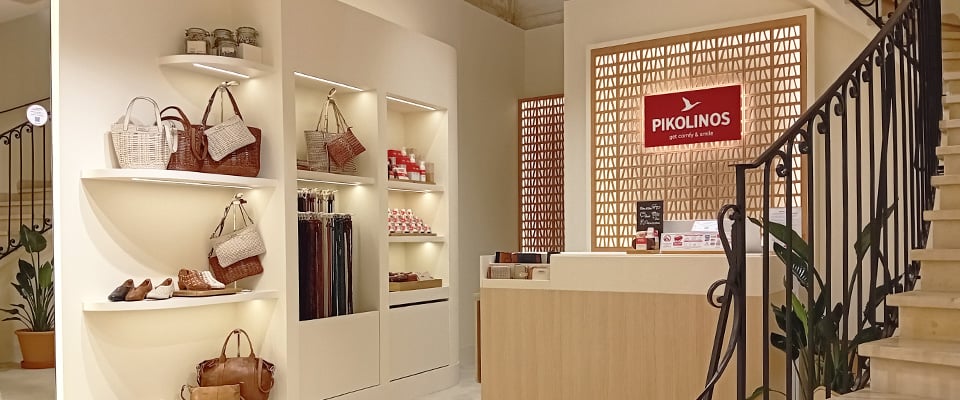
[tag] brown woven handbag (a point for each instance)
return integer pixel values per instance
(190, 144)
(242, 162)
(253, 374)
(245, 267)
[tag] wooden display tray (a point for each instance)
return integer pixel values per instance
(415, 285)
(413, 234)
(206, 293)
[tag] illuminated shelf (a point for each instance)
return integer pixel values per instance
(419, 296)
(332, 179)
(402, 186)
(178, 302)
(217, 66)
(163, 176)
(416, 239)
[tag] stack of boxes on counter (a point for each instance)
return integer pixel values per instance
(403, 222)
(532, 266)
(405, 165)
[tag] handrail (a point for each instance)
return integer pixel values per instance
(814, 109)
(24, 105)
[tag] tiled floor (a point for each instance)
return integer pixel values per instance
(27, 384)
(467, 389)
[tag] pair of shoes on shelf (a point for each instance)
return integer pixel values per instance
(145, 290)
(188, 279)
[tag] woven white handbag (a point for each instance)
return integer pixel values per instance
(227, 137)
(318, 155)
(143, 146)
(243, 242)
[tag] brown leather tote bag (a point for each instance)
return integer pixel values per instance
(253, 374)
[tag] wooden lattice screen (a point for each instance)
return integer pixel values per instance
(768, 59)
(541, 174)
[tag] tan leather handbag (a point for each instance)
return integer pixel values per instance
(227, 392)
(253, 374)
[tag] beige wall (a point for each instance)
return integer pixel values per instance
(490, 57)
(592, 22)
(543, 61)
(25, 75)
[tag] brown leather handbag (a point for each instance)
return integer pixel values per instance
(253, 374)
(226, 392)
(245, 161)
(191, 147)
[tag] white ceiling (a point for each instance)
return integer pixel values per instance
(526, 14)
(13, 9)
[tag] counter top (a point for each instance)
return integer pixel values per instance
(641, 273)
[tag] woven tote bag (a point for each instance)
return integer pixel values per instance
(190, 144)
(318, 140)
(244, 161)
(142, 146)
(243, 242)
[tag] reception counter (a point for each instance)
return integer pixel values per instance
(614, 326)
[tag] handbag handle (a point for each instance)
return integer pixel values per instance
(233, 101)
(245, 218)
(339, 120)
(198, 146)
(156, 111)
(223, 356)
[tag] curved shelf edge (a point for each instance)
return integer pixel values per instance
(417, 239)
(314, 177)
(418, 296)
(178, 302)
(413, 187)
(218, 66)
(176, 177)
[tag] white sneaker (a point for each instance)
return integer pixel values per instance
(210, 280)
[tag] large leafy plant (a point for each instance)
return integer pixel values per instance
(34, 284)
(821, 356)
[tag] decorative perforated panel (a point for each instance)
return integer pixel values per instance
(769, 61)
(541, 173)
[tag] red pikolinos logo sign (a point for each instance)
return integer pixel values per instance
(697, 116)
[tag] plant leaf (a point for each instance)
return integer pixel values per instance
(45, 275)
(781, 233)
(27, 269)
(26, 290)
(11, 311)
(800, 311)
(864, 238)
(32, 240)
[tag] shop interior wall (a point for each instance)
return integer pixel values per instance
(108, 232)
(543, 61)
(25, 77)
(592, 22)
(490, 59)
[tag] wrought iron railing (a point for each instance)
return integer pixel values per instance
(864, 154)
(877, 10)
(27, 198)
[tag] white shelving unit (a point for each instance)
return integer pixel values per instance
(416, 239)
(179, 302)
(177, 177)
(419, 296)
(217, 66)
(402, 186)
(313, 177)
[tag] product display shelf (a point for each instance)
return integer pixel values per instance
(416, 239)
(513, 284)
(177, 177)
(402, 186)
(217, 66)
(314, 177)
(419, 296)
(178, 302)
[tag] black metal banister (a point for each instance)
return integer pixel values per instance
(30, 206)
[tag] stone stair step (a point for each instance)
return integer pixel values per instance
(951, 35)
(951, 76)
(925, 299)
(950, 124)
(935, 255)
(948, 150)
(945, 180)
(951, 55)
(27, 196)
(868, 394)
(951, 100)
(932, 352)
(33, 185)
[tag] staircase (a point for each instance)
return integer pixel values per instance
(923, 360)
(26, 196)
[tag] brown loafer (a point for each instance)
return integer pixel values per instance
(140, 292)
(120, 293)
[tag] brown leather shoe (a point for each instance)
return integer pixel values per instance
(120, 293)
(140, 292)
(188, 279)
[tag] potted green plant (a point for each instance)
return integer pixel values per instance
(36, 313)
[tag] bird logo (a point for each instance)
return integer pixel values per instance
(687, 106)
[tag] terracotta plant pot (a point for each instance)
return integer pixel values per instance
(38, 349)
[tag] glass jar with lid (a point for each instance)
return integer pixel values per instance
(227, 48)
(248, 35)
(196, 41)
(222, 34)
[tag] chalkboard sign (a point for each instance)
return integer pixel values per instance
(650, 215)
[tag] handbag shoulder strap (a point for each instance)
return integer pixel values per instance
(237, 201)
(324, 120)
(197, 143)
(233, 101)
(238, 332)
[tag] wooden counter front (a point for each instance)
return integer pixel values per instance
(607, 345)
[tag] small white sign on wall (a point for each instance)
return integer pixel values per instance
(37, 115)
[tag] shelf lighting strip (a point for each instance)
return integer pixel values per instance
(425, 107)
(222, 71)
(330, 182)
(343, 85)
(410, 190)
(190, 183)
